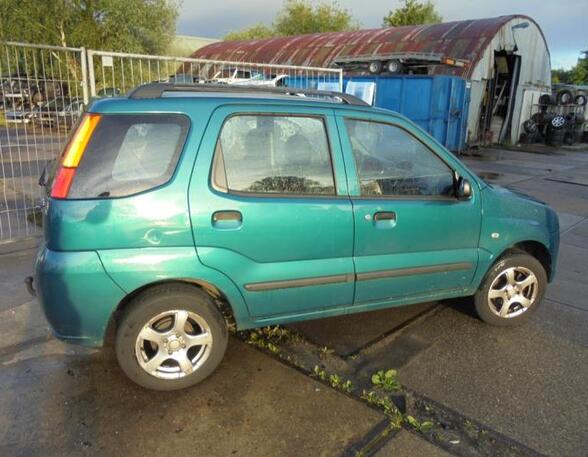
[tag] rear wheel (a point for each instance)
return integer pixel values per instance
(512, 290)
(171, 337)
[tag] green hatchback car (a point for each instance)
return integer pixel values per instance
(178, 212)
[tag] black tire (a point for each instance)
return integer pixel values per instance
(555, 137)
(557, 122)
(512, 259)
(530, 126)
(565, 97)
(569, 139)
(545, 100)
(579, 118)
(581, 100)
(538, 118)
(375, 67)
(157, 301)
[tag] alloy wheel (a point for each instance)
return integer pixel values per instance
(173, 344)
(512, 292)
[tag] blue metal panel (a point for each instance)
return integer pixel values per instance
(439, 104)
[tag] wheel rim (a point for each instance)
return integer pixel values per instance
(558, 121)
(173, 344)
(513, 292)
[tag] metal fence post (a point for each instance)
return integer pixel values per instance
(84, 63)
(92, 78)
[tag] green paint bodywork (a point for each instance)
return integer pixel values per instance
(97, 252)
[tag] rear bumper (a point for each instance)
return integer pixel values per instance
(76, 295)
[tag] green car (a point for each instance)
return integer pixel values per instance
(178, 212)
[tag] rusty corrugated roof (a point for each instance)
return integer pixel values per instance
(464, 40)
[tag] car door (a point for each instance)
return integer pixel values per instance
(413, 237)
(270, 208)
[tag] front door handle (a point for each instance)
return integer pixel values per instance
(385, 219)
(227, 219)
(385, 216)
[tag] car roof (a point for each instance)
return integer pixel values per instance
(165, 96)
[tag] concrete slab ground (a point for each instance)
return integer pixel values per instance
(347, 335)
(16, 265)
(253, 405)
(407, 444)
(528, 382)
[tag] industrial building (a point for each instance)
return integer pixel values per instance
(473, 81)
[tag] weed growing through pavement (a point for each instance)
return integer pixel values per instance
(335, 380)
(386, 380)
(270, 338)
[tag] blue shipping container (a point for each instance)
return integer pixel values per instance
(439, 104)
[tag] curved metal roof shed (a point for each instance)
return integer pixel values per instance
(483, 49)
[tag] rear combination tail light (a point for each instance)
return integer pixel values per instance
(72, 155)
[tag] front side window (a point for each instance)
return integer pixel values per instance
(274, 154)
(392, 162)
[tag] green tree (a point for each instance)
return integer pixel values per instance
(299, 17)
(413, 12)
(118, 25)
(255, 32)
(578, 74)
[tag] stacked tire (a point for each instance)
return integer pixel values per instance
(556, 130)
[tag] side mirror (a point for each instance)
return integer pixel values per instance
(464, 189)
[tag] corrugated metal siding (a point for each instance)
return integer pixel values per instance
(465, 40)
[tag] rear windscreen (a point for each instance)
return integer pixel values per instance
(128, 154)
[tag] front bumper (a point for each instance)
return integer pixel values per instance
(76, 295)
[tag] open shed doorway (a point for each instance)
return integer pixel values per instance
(499, 97)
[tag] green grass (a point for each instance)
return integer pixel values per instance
(2, 120)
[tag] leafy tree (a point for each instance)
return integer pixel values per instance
(576, 75)
(255, 32)
(299, 17)
(118, 25)
(413, 12)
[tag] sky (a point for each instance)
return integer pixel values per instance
(564, 22)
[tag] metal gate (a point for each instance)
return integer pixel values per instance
(44, 89)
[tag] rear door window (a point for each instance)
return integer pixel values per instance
(128, 154)
(274, 154)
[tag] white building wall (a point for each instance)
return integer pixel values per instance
(535, 75)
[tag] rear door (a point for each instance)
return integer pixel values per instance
(270, 209)
(413, 237)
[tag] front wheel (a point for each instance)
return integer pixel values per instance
(171, 337)
(512, 290)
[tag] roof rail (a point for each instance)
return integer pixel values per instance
(156, 90)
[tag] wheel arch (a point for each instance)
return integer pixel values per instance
(219, 298)
(537, 250)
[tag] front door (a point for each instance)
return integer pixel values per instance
(413, 237)
(270, 209)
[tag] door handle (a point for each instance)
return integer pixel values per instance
(385, 216)
(227, 219)
(385, 220)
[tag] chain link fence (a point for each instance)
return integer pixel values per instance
(44, 89)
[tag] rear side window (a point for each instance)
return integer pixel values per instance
(274, 154)
(128, 154)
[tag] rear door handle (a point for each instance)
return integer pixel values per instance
(227, 219)
(385, 216)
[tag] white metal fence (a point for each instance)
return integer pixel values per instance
(43, 90)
